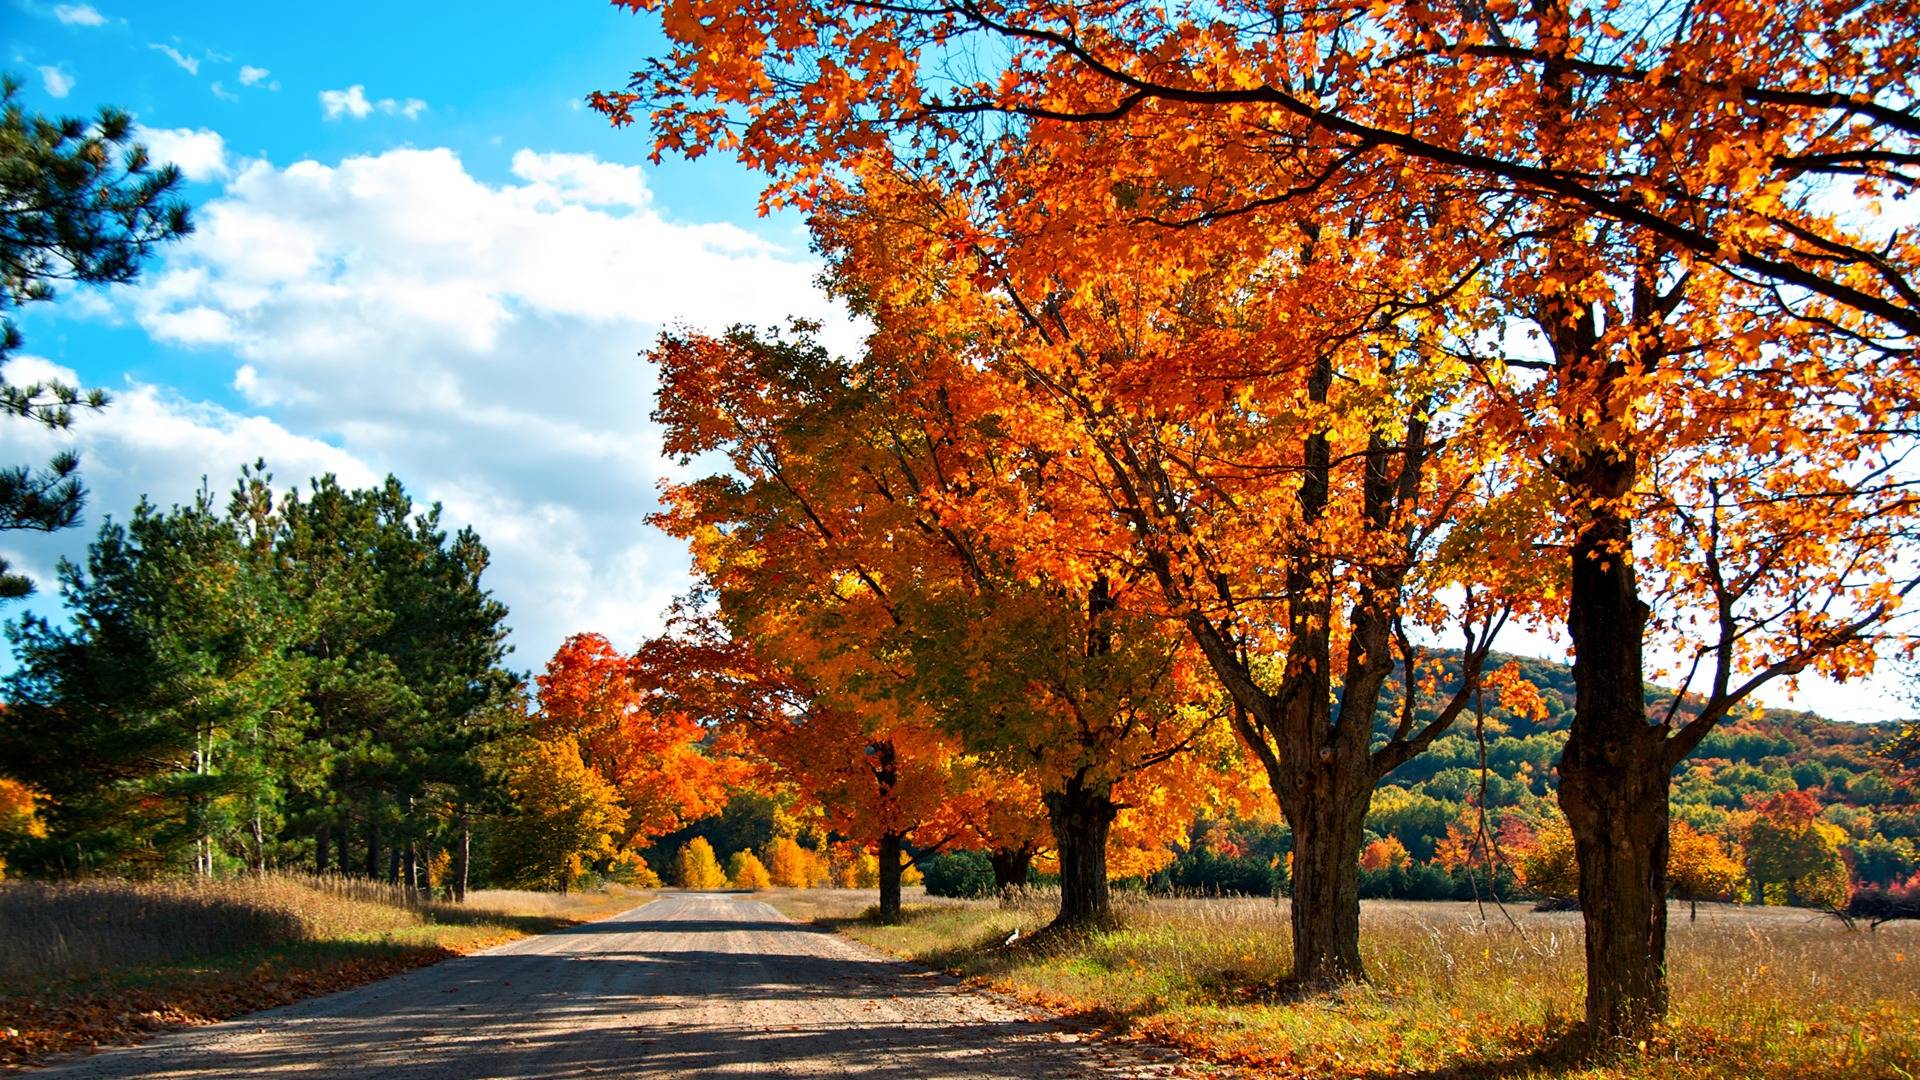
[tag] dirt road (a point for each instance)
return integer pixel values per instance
(689, 985)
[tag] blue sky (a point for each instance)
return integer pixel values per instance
(419, 253)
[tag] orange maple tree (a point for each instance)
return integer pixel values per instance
(845, 550)
(664, 762)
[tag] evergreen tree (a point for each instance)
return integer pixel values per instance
(83, 204)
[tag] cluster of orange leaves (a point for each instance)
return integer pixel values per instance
(661, 760)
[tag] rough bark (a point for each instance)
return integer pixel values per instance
(890, 845)
(1614, 785)
(1082, 814)
(1325, 911)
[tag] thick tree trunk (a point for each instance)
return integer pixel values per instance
(462, 855)
(373, 848)
(1010, 867)
(1325, 886)
(1614, 779)
(321, 855)
(393, 865)
(890, 844)
(1082, 815)
(410, 868)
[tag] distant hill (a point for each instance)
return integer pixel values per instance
(1745, 758)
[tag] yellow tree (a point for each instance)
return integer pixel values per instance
(694, 866)
(566, 816)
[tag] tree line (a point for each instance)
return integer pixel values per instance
(286, 678)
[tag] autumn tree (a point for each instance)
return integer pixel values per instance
(1701, 867)
(694, 866)
(850, 464)
(565, 817)
(19, 816)
(1656, 194)
(745, 871)
(872, 774)
(661, 760)
(790, 866)
(1793, 857)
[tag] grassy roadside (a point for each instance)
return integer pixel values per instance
(103, 963)
(1758, 993)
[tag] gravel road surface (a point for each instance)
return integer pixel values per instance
(690, 985)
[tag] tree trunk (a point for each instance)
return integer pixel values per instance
(1614, 776)
(393, 864)
(1010, 867)
(410, 868)
(1325, 885)
(1082, 814)
(890, 877)
(373, 848)
(321, 855)
(461, 855)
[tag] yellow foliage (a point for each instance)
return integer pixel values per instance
(747, 872)
(791, 866)
(629, 868)
(696, 868)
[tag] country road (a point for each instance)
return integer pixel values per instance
(689, 985)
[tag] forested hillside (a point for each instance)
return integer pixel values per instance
(1820, 796)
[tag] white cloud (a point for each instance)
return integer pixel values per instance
(222, 92)
(353, 101)
(79, 15)
(201, 153)
(190, 64)
(58, 83)
(582, 178)
(477, 339)
(256, 76)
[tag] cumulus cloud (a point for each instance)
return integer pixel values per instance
(582, 178)
(199, 152)
(478, 339)
(79, 15)
(353, 102)
(257, 76)
(189, 64)
(57, 82)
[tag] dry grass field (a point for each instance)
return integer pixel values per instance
(1456, 991)
(95, 962)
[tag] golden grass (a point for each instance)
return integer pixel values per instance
(1454, 991)
(61, 928)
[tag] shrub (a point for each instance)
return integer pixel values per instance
(963, 874)
(1209, 873)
